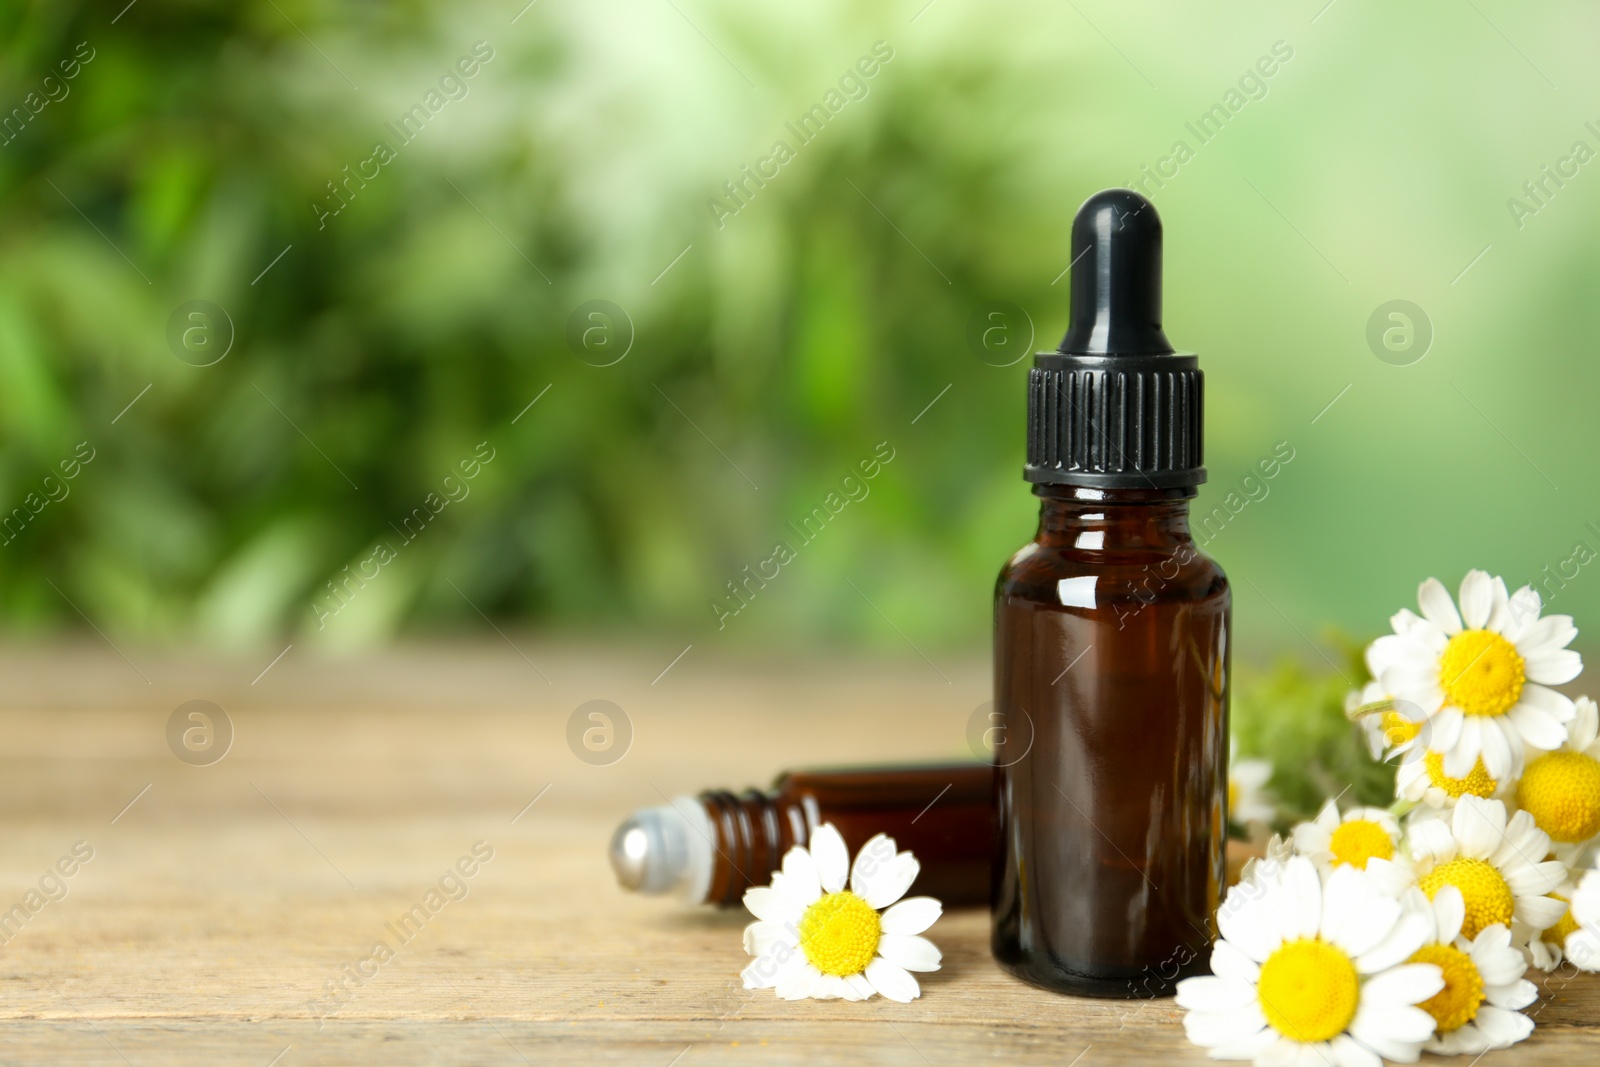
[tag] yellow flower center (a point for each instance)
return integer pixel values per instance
(1358, 840)
(1308, 990)
(1397, 729)
(1477, 782)
(1481, 673)
(1233, 798)
(1561, 790)
(839, 933)
(1457, 1003)
(1557, 934)
(1483, 890)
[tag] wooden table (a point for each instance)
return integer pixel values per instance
(221, 899)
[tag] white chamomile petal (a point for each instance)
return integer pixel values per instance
(1547, 634)
(1348, 1052)
(1227, 961)
(1582, 948)
(1502, 1028)
(1409, 984)
(1437, 607)
(1539, 728)
(800, 876)
(1538, 912)
(861, 986)
(1479, 826)
(1447, 726)
(827, 987)
(912, 915)
(1299, 901)
(773, 905)
(1212, 994)
(1477, 599)
(878, 849)
(1556, 667)
(1449, 909)
(761, 937)
(1585, 726)
(1499, 615)
(889, 881)
(768, 970)
(831, 857)
(1391, 877)
(1243, 922)
(1217, 1029)
(892, 981)
(1511, 995)
(1402, 941)
(1395, 1033)
(798, 983)
(1247, 1047)
(1522, 609)
(1546, 957)
(910, 951)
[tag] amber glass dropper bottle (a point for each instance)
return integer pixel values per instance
(1111, 648)
(712, 847)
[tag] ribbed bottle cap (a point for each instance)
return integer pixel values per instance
(1115, 407)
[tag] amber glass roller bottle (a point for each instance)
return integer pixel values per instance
(710, 848)
(1111, 648)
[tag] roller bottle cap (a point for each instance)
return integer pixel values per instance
(1115, 407)
(665, 850)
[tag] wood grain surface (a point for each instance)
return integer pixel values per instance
(220, 901)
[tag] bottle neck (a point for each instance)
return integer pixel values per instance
(1114, 518)
(750, 833)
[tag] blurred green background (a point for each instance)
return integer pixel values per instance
(769, 350)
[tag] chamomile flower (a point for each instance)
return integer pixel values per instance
(1308, 971)
(1565, 939)
(1561, 789)
(814, 938)
(1483, 981)
(1248, 800)
(1497, 864)
(1482, 674)
(1352, 839)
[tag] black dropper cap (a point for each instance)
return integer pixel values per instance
(1115, 407)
